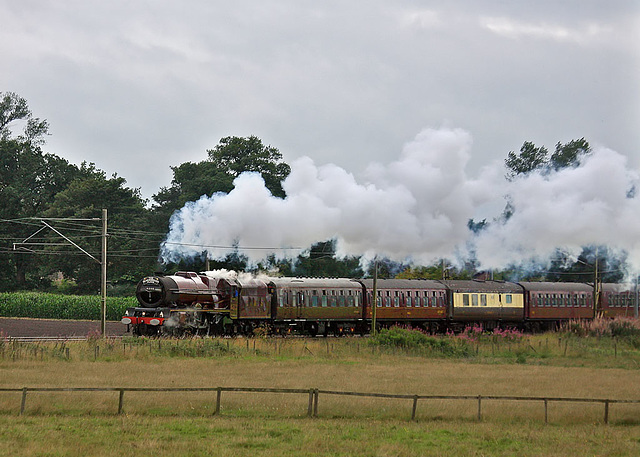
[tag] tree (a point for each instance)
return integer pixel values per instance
(231, 157)
(530, 158)
(235, 155)
(15, 108)
(533, 158)
(320, 261)
(569, 154)
(29, 180)
(129, 252)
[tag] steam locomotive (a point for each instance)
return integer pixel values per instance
(188, 302)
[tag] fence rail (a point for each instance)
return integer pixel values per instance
(314, 394)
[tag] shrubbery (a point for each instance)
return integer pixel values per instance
(622, 328)
(415, 339)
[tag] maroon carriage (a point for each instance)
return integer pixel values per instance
(618, 300)
(554, 302)
(317, 305)
(414, 302)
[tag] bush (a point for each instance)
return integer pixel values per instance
(397, 337)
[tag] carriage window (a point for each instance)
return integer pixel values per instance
(483, 300)
(474, 300)
(508, 299)
(465, 300)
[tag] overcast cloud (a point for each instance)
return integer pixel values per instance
(136, 87)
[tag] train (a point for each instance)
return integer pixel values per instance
(205, 304)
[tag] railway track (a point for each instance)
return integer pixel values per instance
(48, 339)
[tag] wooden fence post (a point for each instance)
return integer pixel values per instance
(310, 407)
(415, 407)
(218, 396)
(24, 400)
(120, 401)
(479, 407)
(315, 403)
(606, 411)
(546, 411)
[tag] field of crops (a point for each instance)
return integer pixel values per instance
(54, 306)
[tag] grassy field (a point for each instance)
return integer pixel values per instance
(558, 365)
(237, 436)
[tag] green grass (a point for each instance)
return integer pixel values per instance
(250, 424)
(223, 436)
(54, 306)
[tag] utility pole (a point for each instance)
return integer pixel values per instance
(374, 301)
(103, 285)
(596, 288)
(103, 262)
(635, 307)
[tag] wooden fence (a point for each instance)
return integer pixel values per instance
(314, 395)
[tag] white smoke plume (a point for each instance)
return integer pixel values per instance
(593, 204)
(416, 209)
(233, 275)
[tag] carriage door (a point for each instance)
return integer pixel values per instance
(300, 303)
(234, 301)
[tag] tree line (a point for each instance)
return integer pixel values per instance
(44, 196)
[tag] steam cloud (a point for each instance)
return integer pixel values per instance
(417, 208)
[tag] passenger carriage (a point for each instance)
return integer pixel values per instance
(316, 305)
(554, 302)
(414, 302)
(489, 302)
(618, 300)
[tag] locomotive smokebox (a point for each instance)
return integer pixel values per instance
(154, 291)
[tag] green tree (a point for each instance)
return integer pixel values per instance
(130, 252)
(530, 158)
(569, 154)
(231, 157)
(29, 180)
(320, 262)
(235, 155)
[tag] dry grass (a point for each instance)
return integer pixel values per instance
(380, 373)
(251, 424)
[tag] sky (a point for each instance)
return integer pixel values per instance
(139, 86)
(396, 117)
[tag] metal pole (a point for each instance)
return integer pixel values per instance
(636, 300)
(374, 301)
(103, 264)
(596, 289)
